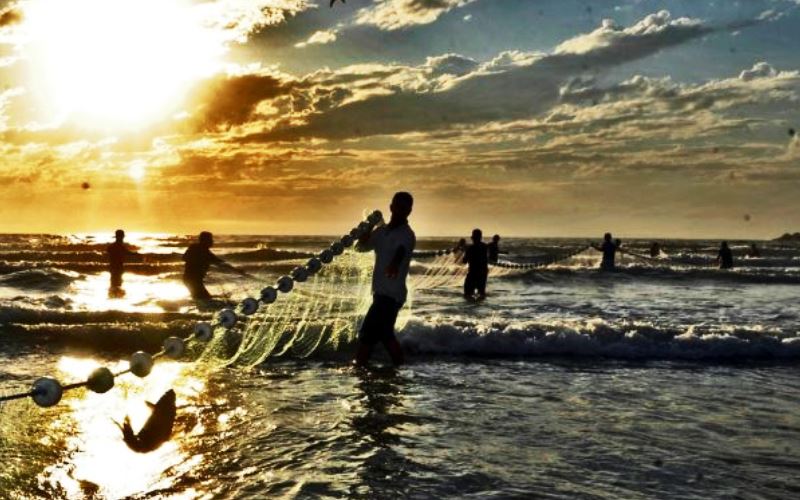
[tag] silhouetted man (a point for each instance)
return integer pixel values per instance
(494, 249)
(609, 249)
(393, 244)
(198, 259)
(477, 258)
(725, 256)
(118, 253)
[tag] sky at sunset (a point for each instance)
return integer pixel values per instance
(524, 117)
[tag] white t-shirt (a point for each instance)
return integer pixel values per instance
(385, 241)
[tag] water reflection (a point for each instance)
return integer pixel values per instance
(96, 461)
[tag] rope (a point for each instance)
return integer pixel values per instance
(47, 391)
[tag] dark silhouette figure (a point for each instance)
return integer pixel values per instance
(609, 249)
(198, 260)
(158, 428)
(494, 249)
(461, 246)
(118, 253)
(477, 258)
(655, 249)
(393, 245)
(725, 256)
(754, 251)
(334, 1)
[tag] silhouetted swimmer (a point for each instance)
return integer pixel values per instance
(158, 428)
(609, 249)
(477, 258)
(198, 260)
(393, 244)
(754, 251)
(494, 249)
(725, 256)
(118, 253)
(655, 249)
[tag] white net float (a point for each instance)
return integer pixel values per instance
(227, 318)
(300, 274)
(375, 217)
(268, 295)
(248, 306)
(285, 284)
(326, 256)
(203, 331)
(141, 364)
(346, 241)
(313, 265)
(100, 380)
(337, 248)
(174, 347)
(46, 392)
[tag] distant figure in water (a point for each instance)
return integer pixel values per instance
(494, 249)
(158, 428)
(461, 246)
(609, 249)
(198, 259)
(477, 258)
(118, 253)
(393, 244)
(754, 251)
(655, 249)
(725, 256)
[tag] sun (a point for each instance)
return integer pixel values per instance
(116, 64)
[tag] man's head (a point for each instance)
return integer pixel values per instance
(477, 235)
(119, 235)
(607, 236)
(206, 239)
(402, 203)
(496, 238)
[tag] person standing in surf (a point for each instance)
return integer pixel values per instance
(609, 249)
(494, 249)
(118, 253)
(393, 244)
(477, 258)
(725, 256)
(198, 260)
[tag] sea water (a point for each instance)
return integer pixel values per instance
(666, 379)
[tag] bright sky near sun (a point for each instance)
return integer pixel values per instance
(526, 117)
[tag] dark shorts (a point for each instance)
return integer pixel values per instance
(378, 325)
(475, 280)
(196, 288)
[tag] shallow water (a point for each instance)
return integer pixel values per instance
(667, 379)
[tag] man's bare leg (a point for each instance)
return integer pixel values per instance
(362, 354)
(395, 351)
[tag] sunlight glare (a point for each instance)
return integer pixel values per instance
(117, 64)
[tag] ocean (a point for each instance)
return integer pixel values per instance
(668, 378)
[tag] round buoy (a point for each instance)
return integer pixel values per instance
(337, 248)
(141, 363)
(326, 256)
(174, 347)
(299, 274)
(375, 217)
(248, 306)
(100, 380)
(355, 233)
(285, 284)
(314, 265)
(364, 227)
(346, 241)
(227, 318)
(268, 295)
(46, 392)
(203, 331)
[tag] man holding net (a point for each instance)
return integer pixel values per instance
(393, 244)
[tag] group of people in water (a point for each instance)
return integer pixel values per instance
(393, 244)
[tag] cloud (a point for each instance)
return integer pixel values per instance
(389, 15)
(759, 70)
(513, 85)
(319, 38)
